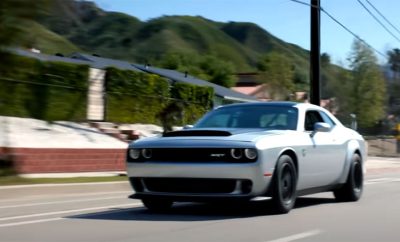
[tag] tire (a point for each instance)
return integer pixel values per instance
(284, 185)
(352, 190)
(157, 205)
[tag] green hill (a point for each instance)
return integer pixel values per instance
(121, 36)
(38, 36)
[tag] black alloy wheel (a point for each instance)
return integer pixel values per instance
(352, 190)
(285, 182)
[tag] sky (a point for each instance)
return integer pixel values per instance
(286, 19)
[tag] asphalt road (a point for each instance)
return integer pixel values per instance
(101, 212)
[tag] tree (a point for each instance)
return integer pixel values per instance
(219, 71)
(207, 67)
(325, 60)
(367, 96)
(277, 71)
(394, 61)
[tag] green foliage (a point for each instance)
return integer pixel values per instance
(278, 73)
(367, 90)
(13, 14)
(120, 36)
(205, 67)
(394, 61)
(219, 71)
(43, 90)
(196, 100)
(136, 97)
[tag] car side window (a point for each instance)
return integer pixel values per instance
(327, 119)
(312, 117)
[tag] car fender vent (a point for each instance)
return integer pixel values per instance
(197, 133)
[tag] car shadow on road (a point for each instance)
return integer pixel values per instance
(200, 212)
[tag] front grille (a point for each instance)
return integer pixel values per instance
(213, 155)
(189, 185)
(192, 154)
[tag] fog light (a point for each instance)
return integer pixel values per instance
(246, 186)
(250, 153)
(134, 153)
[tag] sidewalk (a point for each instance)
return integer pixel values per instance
(376, 165)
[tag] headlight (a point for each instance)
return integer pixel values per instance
(147, 153)
(250, 153)
(236, 153)
(134, 153)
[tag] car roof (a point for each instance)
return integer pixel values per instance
(274, 104)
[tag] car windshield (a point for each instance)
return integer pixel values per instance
(257, 116)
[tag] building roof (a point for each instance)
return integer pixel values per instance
(220, 91)
(101, 62)
(45, 57)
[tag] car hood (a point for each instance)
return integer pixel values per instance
(213, 137)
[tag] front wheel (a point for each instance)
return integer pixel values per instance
(157, 205)
(351, 191)
(284, 185)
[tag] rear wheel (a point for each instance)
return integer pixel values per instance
(352, 190)
(285, 181)
(157, 205)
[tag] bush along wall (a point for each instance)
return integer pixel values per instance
(136, 97)
(195, 101)
(44, 90)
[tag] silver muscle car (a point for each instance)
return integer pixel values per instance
(242, 151)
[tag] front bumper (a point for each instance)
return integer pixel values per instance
(198, 181)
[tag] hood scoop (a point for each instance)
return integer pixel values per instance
(184, 133)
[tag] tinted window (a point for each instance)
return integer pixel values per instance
(312, 117)
(258, 116)
(327, 119)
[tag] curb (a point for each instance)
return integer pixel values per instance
(61, 185)
(74, 174)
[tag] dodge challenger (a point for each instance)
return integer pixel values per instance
(276, 150)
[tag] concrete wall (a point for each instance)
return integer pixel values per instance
(95, 108)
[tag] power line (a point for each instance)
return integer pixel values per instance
(383, 16)
(377, 20)
(343, 26)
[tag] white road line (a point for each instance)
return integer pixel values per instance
(381, 180)
(59, 202)
(30, 222)
(29, 198)
(70, 211)
(297, 236)
(62, 184)
(51, 219)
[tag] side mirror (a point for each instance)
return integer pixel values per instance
(188, 126)
(322, 127)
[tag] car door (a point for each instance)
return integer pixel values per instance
(322, 153)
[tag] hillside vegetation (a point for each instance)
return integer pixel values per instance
(207, 49)
(121, 36)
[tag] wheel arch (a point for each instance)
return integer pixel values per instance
(353, 147)
(292, 154)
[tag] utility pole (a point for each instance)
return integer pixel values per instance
(315, 65)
